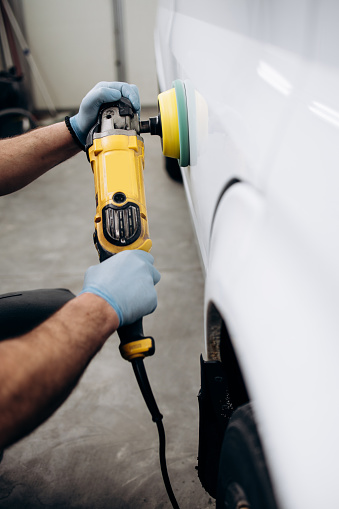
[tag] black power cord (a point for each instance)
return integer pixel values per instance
(142, 378)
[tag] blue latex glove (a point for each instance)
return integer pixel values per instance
(103, 92)
(126, 281)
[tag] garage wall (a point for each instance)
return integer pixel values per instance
(72, 42)
(140, 18)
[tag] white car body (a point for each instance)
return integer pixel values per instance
(264, 202)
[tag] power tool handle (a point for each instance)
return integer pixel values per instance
(133, 343)
(132, 332)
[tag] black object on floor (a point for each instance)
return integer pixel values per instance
(20, 312)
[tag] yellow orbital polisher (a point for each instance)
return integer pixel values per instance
(115, 150)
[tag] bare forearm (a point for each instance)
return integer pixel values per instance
(24, 158)
(39, 369)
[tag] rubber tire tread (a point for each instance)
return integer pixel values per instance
(173, 169)
(242, 463)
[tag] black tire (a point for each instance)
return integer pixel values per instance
(243, 476)
(173, 169)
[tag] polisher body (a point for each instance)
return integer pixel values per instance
(117, 160)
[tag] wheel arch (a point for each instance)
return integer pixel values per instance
(220, 348)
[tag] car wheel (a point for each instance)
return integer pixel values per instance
(173, 169)
(243, 476)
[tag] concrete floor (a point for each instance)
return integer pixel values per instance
(100, 449)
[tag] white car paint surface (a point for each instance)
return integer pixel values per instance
(269, 72)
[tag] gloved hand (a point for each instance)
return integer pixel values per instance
(126, 281)
(103, 92)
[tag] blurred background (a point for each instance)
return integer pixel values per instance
(54, 52)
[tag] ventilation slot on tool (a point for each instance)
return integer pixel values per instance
(121, 225)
